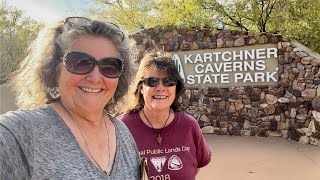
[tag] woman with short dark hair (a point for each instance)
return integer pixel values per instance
(168, 138)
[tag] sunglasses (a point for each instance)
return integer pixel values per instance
(154, 82)
(82, 63)
(72, 22)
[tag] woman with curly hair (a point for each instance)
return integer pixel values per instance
(74, 75)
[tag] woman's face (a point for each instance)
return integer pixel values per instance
(158, 98)
(89, 92)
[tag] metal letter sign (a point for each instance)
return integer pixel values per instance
(228, 67)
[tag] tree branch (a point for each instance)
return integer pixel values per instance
(236, 22)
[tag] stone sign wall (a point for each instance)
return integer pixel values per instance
(288, 109)
(229, 67)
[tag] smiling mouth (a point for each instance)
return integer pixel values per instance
(160, 97)
(90, 90)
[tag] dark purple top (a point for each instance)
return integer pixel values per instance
(182, 151)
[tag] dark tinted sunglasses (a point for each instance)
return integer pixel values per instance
(71, 22)
(154, 82)
(82, 63)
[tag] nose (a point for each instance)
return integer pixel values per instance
(95, 75)
(160, 86)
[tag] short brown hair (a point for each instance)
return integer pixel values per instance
(160, 61)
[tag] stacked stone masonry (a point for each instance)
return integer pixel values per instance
(290, 110)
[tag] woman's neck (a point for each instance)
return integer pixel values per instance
(156, 119)
(89, 119)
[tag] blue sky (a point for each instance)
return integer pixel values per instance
(49, 11)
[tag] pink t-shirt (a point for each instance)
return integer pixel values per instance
(182, 151)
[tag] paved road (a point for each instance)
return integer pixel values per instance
(256, 158)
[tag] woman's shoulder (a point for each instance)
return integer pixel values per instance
(127, 114)
(21, 124)
(118, 122)
(187, 118)
(188, 121)
(126, 117)
(27, 117)
(123, 132)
